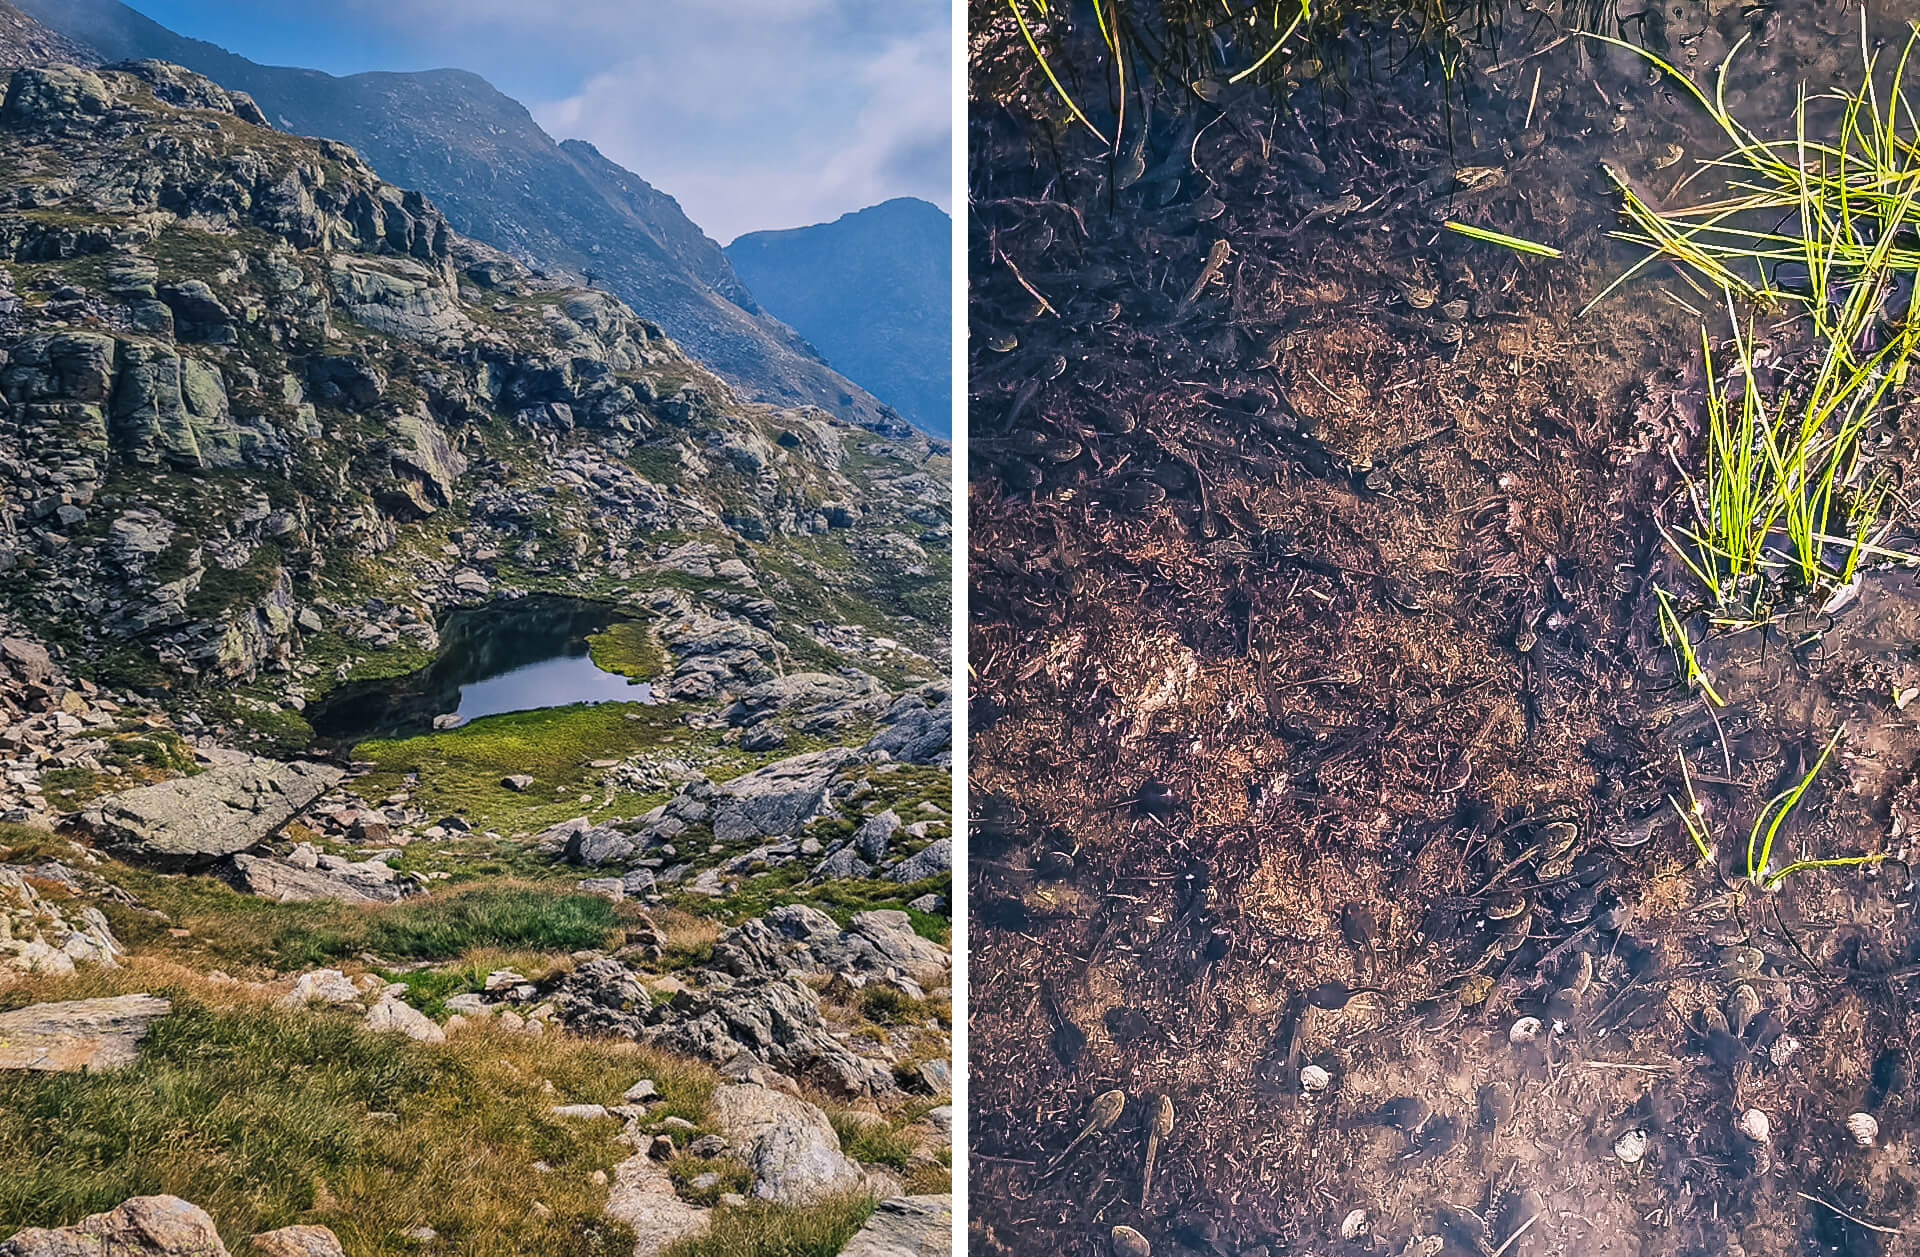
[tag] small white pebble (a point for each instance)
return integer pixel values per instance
(1755, 1126)
(1863, 1129)
(1631, 1147)
(1314, 1079)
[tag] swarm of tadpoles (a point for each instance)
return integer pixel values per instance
(1105, 1114)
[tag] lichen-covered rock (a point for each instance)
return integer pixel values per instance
(776, 801)
(393, 1014)
(193, 821)
(370, 881)
(86, 1034)
(789, 1145)
(906, 1226)
(146, 1226)
(296, 1241)
(38, 936)
(643, 1197)
(930, 861)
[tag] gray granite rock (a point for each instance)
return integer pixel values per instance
(193, 821)
(906, 1226)
(85, 1034)
(146, 1226)
(789, 1145)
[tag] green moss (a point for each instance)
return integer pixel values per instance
(629, 649)
(227, 927)
(660, 464)
(221, 590)
(461, 769)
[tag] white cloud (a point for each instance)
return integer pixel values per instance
(753, 113)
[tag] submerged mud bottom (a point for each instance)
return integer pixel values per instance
(1324, 737)
(515, 656)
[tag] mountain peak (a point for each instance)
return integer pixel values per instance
(501, 179)
(873, 290)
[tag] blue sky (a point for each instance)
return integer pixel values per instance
(753, 113)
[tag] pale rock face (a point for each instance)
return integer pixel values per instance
(906, 1226)
(146, 1226)
(297, 1241)
(88, 1034)
(193, 821)
(643, 1197)
(789, 1144)
(321, 986)
(392, 1014)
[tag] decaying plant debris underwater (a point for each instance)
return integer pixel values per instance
(1442, 726)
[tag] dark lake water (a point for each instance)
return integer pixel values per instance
(515, 656)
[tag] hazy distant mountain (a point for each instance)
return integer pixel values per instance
(872, 291)
(23, 41)
(502, 180)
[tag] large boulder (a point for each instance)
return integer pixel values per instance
(194, 821)
(929, 861)
(906, 1226)
(643, 1197)
(89, 1034)
(776, 801)
(918, 728)
(371, 881)
(789, 1145)
(874, 944)
(146, 1226)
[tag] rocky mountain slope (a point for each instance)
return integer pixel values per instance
(24, 42)
(873, 290)
(667, 973)
(499, 178)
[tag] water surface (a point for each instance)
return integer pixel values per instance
(523, 655)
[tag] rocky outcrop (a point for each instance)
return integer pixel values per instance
(642, 1196)
(789, 1145)
(308, 876)
(353, 369)
(906, 1226)
(146, 1226)
(875, 944)
(918, 728)
(778, 800)
(775, 1022)
(87, 1034)
(194, 821)
(24, 42)
(38, 935)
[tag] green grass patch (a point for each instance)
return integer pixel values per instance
(236, 929)
(733, 1177)
(461, 769)
(268, 1118)
(628, 648)
(871, 1142)
(766, 1230)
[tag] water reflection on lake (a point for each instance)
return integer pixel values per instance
(549, 683)
(513, 656)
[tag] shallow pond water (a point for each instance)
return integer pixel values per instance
(523, 655)
(1324, 734)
